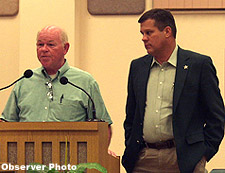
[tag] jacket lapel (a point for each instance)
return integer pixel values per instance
(183, 65)
(143, 81)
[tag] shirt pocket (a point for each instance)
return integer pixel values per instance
(69, 110)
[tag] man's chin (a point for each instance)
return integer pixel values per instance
(149, 52)
(46, 66)
(45, 63)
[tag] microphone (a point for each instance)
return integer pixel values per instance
(27, 74)
(64, 81)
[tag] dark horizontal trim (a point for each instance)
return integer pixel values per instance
(195, 9)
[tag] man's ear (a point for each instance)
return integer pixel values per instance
(167, 31)
(66, 48)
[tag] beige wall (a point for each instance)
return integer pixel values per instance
(103, 46)
(9, 53)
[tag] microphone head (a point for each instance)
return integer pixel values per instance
(28, 73)
(63, 80)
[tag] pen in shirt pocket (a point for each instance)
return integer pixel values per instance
(61, 98)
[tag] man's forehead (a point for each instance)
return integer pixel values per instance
(45, 40)
(50, 36)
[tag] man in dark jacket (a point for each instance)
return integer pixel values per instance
(175, 112)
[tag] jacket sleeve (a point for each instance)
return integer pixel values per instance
(215, 116)
(130, 106)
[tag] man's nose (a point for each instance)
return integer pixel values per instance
(144, 38)
(44, 47)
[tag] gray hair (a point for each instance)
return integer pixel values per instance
(62, 33)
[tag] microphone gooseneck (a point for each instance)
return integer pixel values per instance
(27, 74)
(64, 81)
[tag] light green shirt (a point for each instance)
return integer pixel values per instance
(41, 98)
(158, 111)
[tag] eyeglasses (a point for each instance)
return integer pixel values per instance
(50, 90)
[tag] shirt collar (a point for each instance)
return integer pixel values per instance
(64, 68)
(61, 71)
(172, 59)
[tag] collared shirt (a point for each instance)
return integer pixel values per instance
(41, 98)
(158, 111)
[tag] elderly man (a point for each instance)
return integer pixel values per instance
(43, 98)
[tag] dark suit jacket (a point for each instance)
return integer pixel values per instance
(198, 110)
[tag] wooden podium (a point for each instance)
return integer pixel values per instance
(22, 143)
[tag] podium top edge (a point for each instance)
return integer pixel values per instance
(56, 126)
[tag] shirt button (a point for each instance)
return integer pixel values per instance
(159, 97)
(160, 83)
(162, 69)
(46, 108)
(157, 111)
(141, 124)
(138, 141)
(157, 126)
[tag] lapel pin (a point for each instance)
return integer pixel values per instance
(185, 67)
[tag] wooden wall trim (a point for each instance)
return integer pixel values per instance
(9, 7)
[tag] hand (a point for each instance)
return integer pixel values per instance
(112, 153)
(200, 167)
(2, 120)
